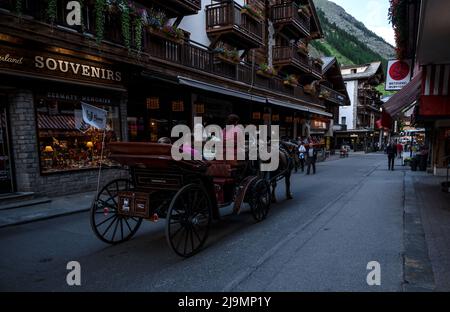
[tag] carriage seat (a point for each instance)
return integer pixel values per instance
(225, 168)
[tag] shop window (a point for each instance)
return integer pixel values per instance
(65, 142)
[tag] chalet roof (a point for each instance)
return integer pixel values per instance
(316, 25)
(371, 70)
(328, 61)
(331, 70)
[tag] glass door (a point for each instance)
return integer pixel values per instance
(6, 181)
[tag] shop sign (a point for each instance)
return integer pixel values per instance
(53, 65)
(398, 74)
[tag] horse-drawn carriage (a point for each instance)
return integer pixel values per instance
(187, 193)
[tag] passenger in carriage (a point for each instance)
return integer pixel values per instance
(234, 133)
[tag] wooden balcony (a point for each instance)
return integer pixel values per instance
(177, 7)
(288, 19)
(290, 60)
(224, 21)
(333, 96)
(158, 53)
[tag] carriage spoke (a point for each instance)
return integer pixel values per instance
(192, 239)
(121, 228)
(106, 220)
(109, 226)
(115, 229)
(128, 225)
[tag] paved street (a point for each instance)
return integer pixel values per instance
(348, 214)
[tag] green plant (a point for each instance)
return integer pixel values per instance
(125, 22)
(100, 8)
(290, 80)
(52, 10)
(252, 11)
(173, 31)
(19, 6)
(138, 32)
(266, 69)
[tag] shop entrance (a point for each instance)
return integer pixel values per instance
(6, 180)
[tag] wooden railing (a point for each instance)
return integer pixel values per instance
(228, 14)
(183, 52)
(289, 12)
(283, 54)
(332, 95)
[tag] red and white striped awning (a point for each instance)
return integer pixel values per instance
(436, 80)
(435, 99)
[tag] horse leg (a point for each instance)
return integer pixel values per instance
(273, 197)
(288, 184)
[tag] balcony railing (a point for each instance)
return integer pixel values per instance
(331, 95)
(226, 20)
(289, 57)
(186, 53)
(289, 17)
(178, 7)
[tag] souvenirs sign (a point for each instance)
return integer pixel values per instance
(15, 60)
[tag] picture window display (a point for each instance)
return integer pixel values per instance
(65, 143)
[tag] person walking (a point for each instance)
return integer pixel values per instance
(391, 152)
(302, 155)
(311, 160)
(399, 150)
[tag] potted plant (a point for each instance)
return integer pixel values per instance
(252, 12)
(310, 89)
(229, 56)
(304, 9)
(324, 94)
(266, 71)
(302, 48)
(290, 81)
(173, 32)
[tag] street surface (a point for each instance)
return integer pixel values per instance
(349, 214)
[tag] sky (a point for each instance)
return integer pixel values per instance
(373, 13)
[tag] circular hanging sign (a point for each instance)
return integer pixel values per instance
(399, 70)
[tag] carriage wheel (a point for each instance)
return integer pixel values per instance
(106, 223)
(188, 220)
(260, 200)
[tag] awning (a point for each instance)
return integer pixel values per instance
(218, 89)
(405, 97)
(298, 107)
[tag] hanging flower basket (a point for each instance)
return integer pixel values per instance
(252, 12)
(227, 56)
(291, 81)
(266, 71)
(167, 32)
(304, 9)
(309, 89)
(325, 94)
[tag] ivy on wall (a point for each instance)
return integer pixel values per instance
(52, 10)
(100, 8)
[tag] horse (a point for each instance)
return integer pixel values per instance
(284, 171)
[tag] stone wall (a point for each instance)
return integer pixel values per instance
(26, 157)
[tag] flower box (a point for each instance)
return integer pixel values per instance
(291, 81)
(266, 71)
(302, 49)
(324, 94)
(304, 9)
(252, 12)
(165, 35)
(310, 89)
(230, 60)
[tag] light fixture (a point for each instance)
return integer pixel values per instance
(48, 149)
(89, 144)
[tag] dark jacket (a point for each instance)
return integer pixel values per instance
(391, 150)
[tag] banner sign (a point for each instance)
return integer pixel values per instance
(398, 74)
(94, 116)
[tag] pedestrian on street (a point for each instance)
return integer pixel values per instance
(391, 152)
(399, 150)
(311, 160)
(302, 155)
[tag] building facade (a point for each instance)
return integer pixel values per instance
(357, 120)
(151, 65)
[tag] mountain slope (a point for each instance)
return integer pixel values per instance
(347, 38)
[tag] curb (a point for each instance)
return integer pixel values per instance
(43, 218)
(417, 269)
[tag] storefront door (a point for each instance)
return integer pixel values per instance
(6, 181)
